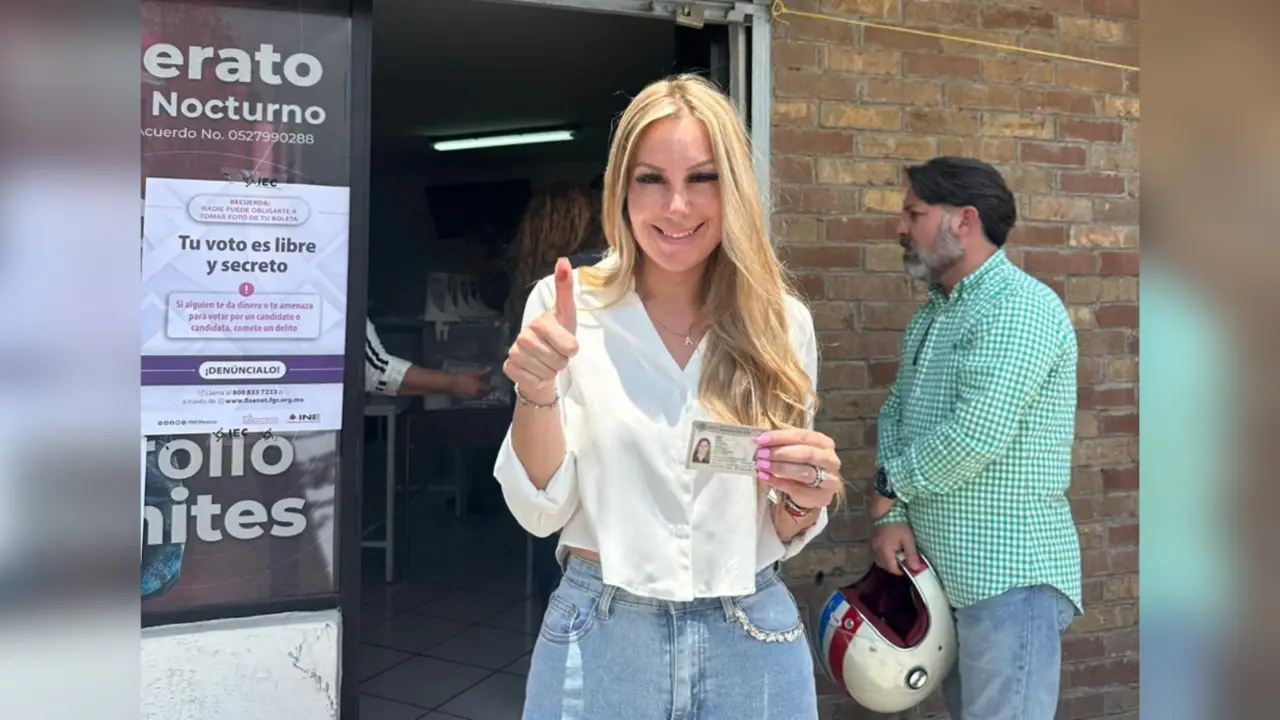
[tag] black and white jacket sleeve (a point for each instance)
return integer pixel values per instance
(383, 372)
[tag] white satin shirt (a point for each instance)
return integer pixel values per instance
(622, 491)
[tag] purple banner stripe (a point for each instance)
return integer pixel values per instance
(159, 370)
(192, 362)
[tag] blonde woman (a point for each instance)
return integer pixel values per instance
(670, 604)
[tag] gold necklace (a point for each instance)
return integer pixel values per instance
(688, 337)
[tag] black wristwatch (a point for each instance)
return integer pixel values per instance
(882, 485)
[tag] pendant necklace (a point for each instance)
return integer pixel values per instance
(688, 337)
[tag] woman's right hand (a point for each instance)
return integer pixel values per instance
(544, 348)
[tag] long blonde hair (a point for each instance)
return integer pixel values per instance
(750, 372)
(560, 220)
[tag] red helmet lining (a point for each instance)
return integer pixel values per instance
(893, 606)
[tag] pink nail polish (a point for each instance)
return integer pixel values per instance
(763, 453)
(763, 464)
(762, 440)
(762, 475)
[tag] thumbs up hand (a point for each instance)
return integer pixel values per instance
(544, 348)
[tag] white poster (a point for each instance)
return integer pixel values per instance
(244, 296)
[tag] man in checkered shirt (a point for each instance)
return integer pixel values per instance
(975, 444)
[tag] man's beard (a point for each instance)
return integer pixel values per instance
(928, 266)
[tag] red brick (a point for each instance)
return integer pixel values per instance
(866, 9)
(1017, 19)
(882, 373)
(1076, 648)
(1091, 131)
(815, 85)
(1091, 77)
(822, 30)
(1118, 315)
(1020, 70)
(886, 316)
(1119, 54)
(1118, 8)
(882, 37)
(1122, 642)
(1101, 342)
(1123, 560)
(1109, 210)
(1120, 479)
(796, 113)
(845, 375)
(792, 170)
(868, 287)
(822, 256)
(1082, 706)
(797, 229)
(1122, 535)
(795, 55)
(931, 65)
(862, 229)
(1119, 424)
(794, 141)
(1119, 263)
(1094, 398)
(1092, 183)
(1053, 262)
(998, 97)
(1039, 235)
(941, 13)
(903, 92)
(1052, 154)
(832, 315)
(820, 199)
(854, 405)
(926, 121)
(810, 286)
(865, 345)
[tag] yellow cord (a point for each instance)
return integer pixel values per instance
(780, 9)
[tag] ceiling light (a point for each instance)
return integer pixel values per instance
(528, 138)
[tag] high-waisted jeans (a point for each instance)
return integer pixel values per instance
(606, 654)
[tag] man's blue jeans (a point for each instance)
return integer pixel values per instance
(1010, 656)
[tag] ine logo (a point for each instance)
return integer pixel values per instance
(304, 418)
(251, 179)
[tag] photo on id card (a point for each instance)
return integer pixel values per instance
(722, 448)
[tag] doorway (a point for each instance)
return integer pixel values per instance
(450, 607)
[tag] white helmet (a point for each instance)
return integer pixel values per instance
(887, 639)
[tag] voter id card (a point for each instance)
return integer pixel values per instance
(721, 448)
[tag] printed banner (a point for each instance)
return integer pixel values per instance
(233, 517)
(245, 125)
(243, 312)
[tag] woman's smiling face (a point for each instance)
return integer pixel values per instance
(673, 199)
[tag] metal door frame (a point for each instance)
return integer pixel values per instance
(750, 38)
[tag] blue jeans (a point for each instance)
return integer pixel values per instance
(1010, 656)
(604, 653)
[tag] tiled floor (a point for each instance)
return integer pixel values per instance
(452, 640)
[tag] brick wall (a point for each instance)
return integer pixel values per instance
(851, 107)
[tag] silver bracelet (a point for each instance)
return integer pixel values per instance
(524, 400)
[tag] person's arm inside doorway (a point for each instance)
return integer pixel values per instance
(386, 374)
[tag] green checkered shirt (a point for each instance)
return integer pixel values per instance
(977, 431)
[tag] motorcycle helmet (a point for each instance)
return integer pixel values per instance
(888, 640)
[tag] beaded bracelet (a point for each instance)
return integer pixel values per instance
(524, 400)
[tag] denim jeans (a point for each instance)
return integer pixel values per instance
(606, 654)
(1010, 656)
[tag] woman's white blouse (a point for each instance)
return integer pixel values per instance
(661, 531)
